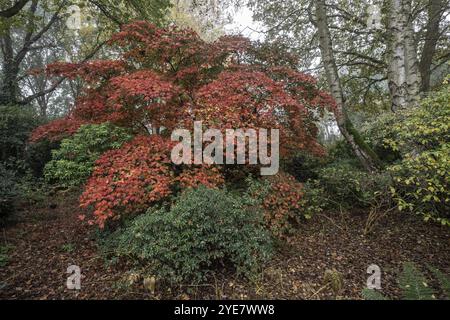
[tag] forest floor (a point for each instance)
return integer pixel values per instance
(46, 239)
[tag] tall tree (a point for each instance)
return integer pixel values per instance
(367, 67)
(366, 156)
(362, 52)
(26, 30)
(435, 12)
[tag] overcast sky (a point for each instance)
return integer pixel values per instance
(243, 24)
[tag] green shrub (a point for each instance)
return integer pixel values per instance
(8, 192)
(350, 186)
(314, 200)
(421, 179)
(422, 184)
(38, 154)
(205, 229)
(304, 166)
(414, 144)
(16, 124)
(73, 162)
(423, 128)
(379, 130)
(339, 151)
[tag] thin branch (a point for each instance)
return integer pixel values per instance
(106, 13)
(28, 42)
(362, 56)
(57, 83)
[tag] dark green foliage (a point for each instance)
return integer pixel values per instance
(8, 192)
(349, 186)
(73, 162)
(205, 230)
(38, 154)
(303, 166)
(341, 151)
(16, 124)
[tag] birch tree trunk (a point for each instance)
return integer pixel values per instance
(411, 58)
(403, 65)
(396, 65)
(366, 156)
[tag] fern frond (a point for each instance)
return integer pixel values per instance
(414, 284)
(371, 294)
(444, 280)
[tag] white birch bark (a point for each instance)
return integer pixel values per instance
(397, 65)
(334, 82)
(403, 65)
(411, 59)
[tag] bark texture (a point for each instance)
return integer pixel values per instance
(411, 58)
(366, 156)
(435, 12)
(9, 83)
(403, 65)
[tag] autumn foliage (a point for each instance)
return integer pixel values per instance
(129, 179)
(167, 78)
(280, 196)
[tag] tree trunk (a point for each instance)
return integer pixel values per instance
(9, 85)
(396, 66)
(435, 11)
(403, 65)
(411, 59)
(366, 156)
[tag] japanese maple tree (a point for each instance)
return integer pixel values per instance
(167, 78)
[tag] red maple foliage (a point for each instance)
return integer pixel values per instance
(130, 179)
(280, 197)
(166, 78)
(281, 204)
(57, 130)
